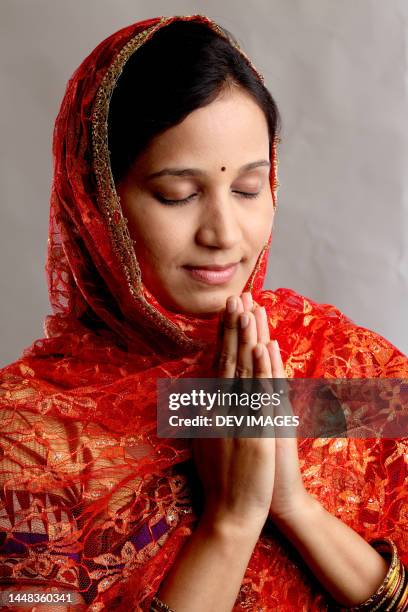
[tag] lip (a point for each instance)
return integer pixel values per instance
(213, 266)
(212, 275)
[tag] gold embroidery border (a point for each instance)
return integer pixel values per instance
(107, 196)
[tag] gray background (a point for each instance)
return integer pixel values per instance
(339, 73)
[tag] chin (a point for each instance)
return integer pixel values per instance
(202, 302)
(209, 305)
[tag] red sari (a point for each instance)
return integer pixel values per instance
(91, 499)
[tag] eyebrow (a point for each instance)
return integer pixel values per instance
(198, 172)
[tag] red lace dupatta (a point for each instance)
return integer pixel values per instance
(91, 499)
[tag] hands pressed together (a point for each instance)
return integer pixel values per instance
(245, 480)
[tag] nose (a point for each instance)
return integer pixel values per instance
(219, 224)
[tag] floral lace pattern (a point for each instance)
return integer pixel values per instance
(91, 499)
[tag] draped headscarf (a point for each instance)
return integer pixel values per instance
(91, 499)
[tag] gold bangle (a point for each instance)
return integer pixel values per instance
(384, 546)
(392, 590)
(157, 605)
(403, 602)
(393, 580)
(397, 596)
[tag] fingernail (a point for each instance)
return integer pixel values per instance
(276, 343)
(232, 304)
(258, 350)
(244, 321)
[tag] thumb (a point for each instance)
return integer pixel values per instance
(220, 334)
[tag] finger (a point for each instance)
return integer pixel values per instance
(229, 342)
(278, 370)
(262, 325)
(219, 340)
(240, 304)
(262, 362)
(247, 301)
(246, 343)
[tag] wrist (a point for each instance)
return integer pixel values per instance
(305, 509)
(209, 569)
(227, 527)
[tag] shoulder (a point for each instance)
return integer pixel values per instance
(338, 346)
(287, 302)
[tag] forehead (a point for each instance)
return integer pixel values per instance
(232, 128)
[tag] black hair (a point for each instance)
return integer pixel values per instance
(182, 67)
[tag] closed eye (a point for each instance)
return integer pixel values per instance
(174, 202)
(160, 198)
(247, 194)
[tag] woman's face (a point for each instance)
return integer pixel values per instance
(198, 197)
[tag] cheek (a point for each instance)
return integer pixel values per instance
(159, 240)
(259, 225)
(154, 249)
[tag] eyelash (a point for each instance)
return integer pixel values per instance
(185, 200)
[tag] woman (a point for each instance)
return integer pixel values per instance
(165, 163)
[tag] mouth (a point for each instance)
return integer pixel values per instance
(212, 274)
